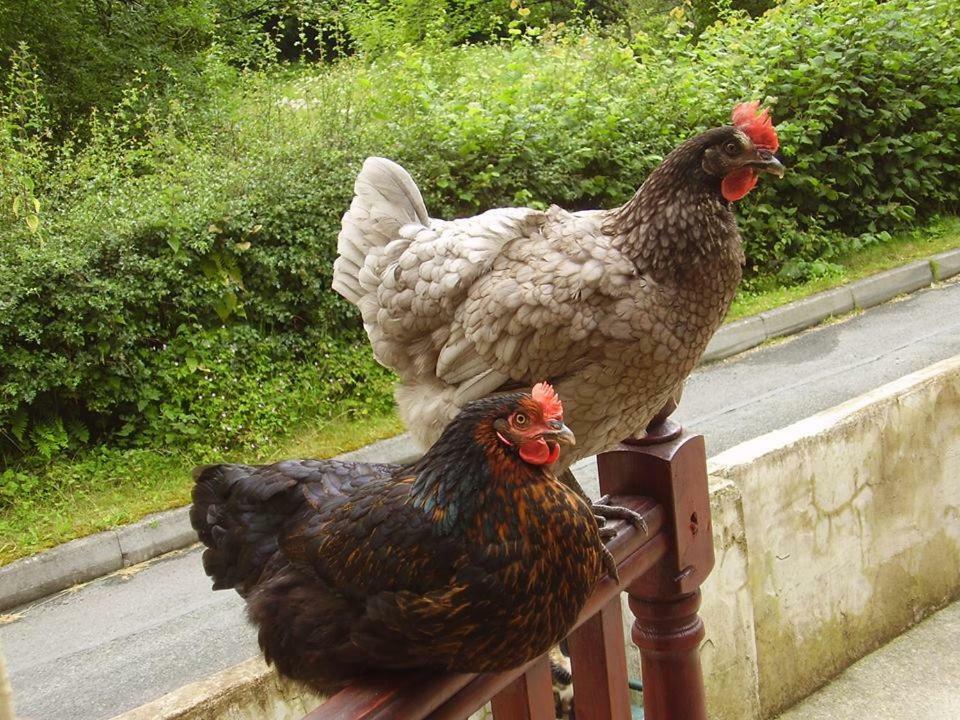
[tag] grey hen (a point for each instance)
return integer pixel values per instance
(615, 307)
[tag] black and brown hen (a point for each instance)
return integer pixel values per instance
(476, 558)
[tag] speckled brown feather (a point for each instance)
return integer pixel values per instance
(470, 560)
(614, 307)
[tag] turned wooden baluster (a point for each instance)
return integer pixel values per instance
(665, 600)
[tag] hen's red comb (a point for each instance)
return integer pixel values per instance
(549, 401)
(757, 124)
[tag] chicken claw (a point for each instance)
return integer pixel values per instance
(610, 565)
(604, 511)
(607, 532)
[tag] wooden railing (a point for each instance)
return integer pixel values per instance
(661, 572)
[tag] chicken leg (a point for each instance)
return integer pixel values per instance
(660, 429)
(603, 511)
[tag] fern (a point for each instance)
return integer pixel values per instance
(77, 431)
(49, 437)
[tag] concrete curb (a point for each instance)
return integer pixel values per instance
(87, 558)
(744, 334)
(93, 556)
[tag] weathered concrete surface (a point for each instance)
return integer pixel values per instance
(73, 562)
(76, 651)
(945, 264)
(744, 334)
(917, 675)
(729, 652)
(809, 311)
(886, 285)
(154, 535)
(852, 528)
(248, 691)
(735, 337)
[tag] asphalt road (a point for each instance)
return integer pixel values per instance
(115, 643)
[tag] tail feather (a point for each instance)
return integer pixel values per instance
(240, 511)
(237, 512)
(385, 199)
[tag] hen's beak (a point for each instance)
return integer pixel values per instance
(560, 434)
(767, 162)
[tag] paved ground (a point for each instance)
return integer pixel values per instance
(123, 640)
(915, 676)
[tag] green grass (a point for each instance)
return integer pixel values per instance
(944, 234)
(107, 487)
(104, 488)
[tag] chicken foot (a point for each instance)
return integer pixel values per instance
(602, 511)
(605, 511)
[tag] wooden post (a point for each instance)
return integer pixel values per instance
(598, 661)
(668, 632)
(529, 697)
(665, 600)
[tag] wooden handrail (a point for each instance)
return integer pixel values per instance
(661, 571)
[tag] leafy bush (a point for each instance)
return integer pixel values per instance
(89, 50)
(174, 293)
(703, 13)
(865, 95)
(323, 29)
(174, 286)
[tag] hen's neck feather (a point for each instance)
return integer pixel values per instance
(678, 225)
(460, 474)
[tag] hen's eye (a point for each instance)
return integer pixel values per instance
(519, 419)
(731, 148)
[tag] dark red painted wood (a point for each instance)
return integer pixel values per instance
(668, 633)
(529, 697)
(599, 663)
(674, 474)
(395, 695)
(665, 600)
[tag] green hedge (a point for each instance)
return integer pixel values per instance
(193, 256)
(177, 293)
(89, 51)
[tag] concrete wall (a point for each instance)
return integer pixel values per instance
(729, 652)
(832, 536)
(248, 691)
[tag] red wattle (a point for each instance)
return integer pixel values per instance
(554, 453)
(738, 183)
(539, 452)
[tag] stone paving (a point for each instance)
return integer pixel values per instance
(915, 676)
